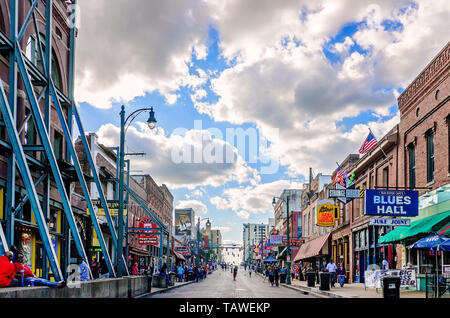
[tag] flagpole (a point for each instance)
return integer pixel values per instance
(378, 144)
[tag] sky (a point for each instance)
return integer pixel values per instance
(250, 94)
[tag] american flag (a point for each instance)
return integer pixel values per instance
(369, 144)
(338, 175)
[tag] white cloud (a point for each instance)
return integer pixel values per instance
(198, 206)
(128, 47)
(252, 199)
(160, 163)
(222, 229)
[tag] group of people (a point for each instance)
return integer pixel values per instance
(14, 272)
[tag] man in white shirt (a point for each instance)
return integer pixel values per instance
(385, 264)
(331, 268)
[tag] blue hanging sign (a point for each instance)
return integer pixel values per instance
(391, 203)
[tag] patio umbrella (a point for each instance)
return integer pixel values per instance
(445, 246)
(270, 259)
(431, 241)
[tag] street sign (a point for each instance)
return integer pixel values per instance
(348, 193)
(389, 222)
(391, 203)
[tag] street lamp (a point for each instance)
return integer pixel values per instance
(288, 247)
(151, 122)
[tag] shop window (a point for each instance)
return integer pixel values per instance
(430, 155)
(30, 135)
(412, 166)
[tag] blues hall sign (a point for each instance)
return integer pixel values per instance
(391, 203)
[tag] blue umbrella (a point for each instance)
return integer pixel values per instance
(429, 241)
(445, 246)
(270, 259)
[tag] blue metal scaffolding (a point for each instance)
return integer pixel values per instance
(40, 81)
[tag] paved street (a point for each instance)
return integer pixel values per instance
(220, 284)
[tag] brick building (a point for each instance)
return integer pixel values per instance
(26, 235)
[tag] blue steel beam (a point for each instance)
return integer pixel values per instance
(97, 181)
(145, 208)
(27, 19)
(44, 137)
(29, 186)
(81, 179)
(11, 172)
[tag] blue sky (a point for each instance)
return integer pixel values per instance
(251, 73)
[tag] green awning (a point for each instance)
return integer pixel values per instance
(429, 225)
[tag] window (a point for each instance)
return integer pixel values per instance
(33, 54)
(430, 156)
(412, 166)
(386, 177)
(58, 146)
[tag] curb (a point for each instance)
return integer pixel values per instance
(165, 290)
(309, 290)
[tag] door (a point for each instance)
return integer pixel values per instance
(362, 265)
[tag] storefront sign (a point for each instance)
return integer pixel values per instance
(445, 269)
(344, 193)
(147, 223)
(113, 208)
(373, 278)
(184, 220)
(344, 199)
(277, 239)
(327, 213)
(391, 202)
(390, 222)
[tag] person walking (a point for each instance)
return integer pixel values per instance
(250, 271)
(271, 275)
(83, 269)
(331, 268)
(135, 269)
(341, 275)
(276, 275)
(235, 272)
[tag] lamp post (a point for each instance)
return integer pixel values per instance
(151, 122)
(288, 247)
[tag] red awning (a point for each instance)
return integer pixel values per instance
(138, 251)
(179, 256)
(312, 248)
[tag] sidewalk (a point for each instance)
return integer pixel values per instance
(355, 290)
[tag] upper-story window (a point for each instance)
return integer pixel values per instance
(412, 166)
(386, 177)
(33, 54)
(429, 136)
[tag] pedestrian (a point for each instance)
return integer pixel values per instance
(292, 274)
(331, 268)
(250, 271)
(235, 270)
(164, 273)
(341, 275)
(266, 272)
(276, 275)
(103, 268)
(385, 264)
(83, 269)
(95, 269)
(135, 269)
(27, 277)
(271, 275)
(7, 271)
(180, 274)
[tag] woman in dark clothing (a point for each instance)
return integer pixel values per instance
(271, 275)
(276, 275)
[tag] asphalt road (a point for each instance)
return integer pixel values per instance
(220, 284)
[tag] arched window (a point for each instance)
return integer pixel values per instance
(32, 53)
